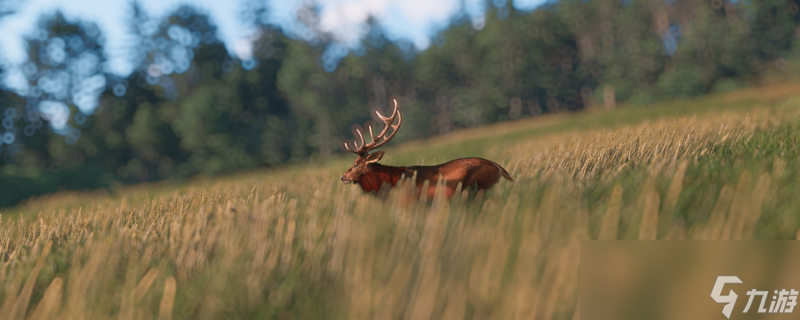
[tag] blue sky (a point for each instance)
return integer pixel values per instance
(415, 21)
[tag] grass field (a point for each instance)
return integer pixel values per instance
(294, 243)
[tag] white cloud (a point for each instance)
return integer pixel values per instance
(412, 20)
(243, 48)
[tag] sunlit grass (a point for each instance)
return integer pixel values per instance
(294, 243)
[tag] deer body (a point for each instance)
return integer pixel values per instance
(371, 176)
(469, 172)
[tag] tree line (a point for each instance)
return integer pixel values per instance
(191, 108)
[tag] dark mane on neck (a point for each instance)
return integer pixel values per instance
(386, 169)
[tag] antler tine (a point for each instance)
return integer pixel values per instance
(351, 150)
(358, 150)
(363, 144)
(388, 121)
(360, 136)
(370, 134)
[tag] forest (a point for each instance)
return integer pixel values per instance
(192, 109)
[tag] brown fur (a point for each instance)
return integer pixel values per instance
(469, 172)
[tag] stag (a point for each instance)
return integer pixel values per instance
(371, 175)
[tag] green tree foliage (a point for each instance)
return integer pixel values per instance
(190, 108)
(41, 139)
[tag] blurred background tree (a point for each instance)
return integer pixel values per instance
(191, 108)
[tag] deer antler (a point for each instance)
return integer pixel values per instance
(381, 139)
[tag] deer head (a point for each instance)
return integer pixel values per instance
(361, 165)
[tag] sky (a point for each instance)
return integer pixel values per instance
(415, 21)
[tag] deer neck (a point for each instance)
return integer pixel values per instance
(378, 174)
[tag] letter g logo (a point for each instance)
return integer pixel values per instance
(730, 299)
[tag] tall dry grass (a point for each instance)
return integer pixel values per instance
(299, 245)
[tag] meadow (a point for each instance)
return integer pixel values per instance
(295, 243)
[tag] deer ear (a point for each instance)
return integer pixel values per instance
(374, 157)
